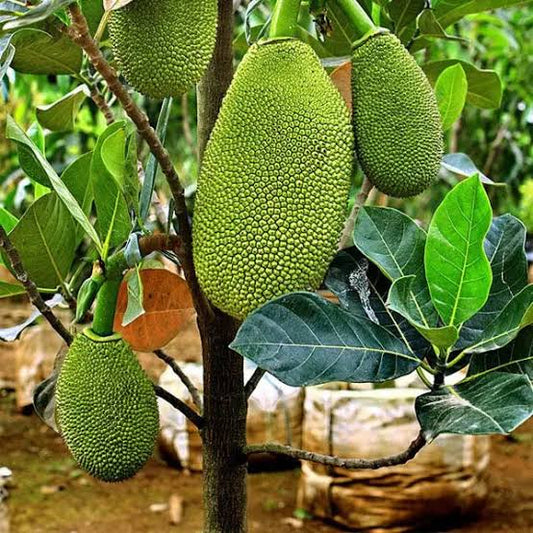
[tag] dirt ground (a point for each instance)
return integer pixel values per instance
(51, 494)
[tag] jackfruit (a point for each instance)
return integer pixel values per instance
(164, 47)
(274, 183)
(106, 408)
(396, 120)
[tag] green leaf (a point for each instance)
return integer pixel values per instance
(516, 315)
(401, 301)
(15, 133)
(461, 165)
(135, 307)
(113, 155)
(496, 403)
(484, 86)
(450, 89)
(505, 249)
(43, 52)
(86, 295)
(457, 269)
(430, 29)
(113, 219)
(61, 115)
(450, 11)
(10, 289)
(395, 243)
(77, 178)
(45, 238)
(403, 13)
(515, 357)
(7, 220)
(152, 165)
(362, 290)
(303, 339)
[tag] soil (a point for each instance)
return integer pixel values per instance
(50, 494)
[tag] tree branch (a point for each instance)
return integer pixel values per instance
(160, 242)
(350, 464)
(79, 34)
(31, 289)
(174, 365)
(180, 405)
(102, 105)
(360, 200)
(252, 383)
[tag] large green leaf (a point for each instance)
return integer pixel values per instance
(457, 269)
(113, 218)
(303, 339)
(41, 52)
(515, 357)
(403, 13)
(461, 165)
(401, 301)
(362, 290)
(450, 11)
(496, 403)
(10, 289)
(45, 238)
(484, 86)
(450, 89)
(61, 115)
(15, 133)
(505, 249)
(516, 315)
(395, 243)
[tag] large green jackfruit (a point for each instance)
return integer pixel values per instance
(397, 126)
(273, 188)
(106, 408)
(164, 47)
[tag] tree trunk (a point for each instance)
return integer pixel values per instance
(224, 433)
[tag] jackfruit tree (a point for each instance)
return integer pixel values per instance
(283, 242)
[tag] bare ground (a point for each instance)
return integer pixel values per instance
(52, 495)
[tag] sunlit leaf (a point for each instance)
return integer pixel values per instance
(450, 89)
(61, 115)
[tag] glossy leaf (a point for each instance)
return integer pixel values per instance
(362, 290)
(302, 339)
(450, 89)
(496, 403)
(168, 306)
(516, 315)
(457, 269)
(45, 238)
(515, 357)
(15, 133)
(505, 249)
(61, 115)
(403, 13)
(401, 301)
(134, 308)
(461, 165)
(484, 86)
(395, 243)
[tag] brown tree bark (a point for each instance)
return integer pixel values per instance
(224, 433)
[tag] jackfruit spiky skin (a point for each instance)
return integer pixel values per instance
(164, 47)
(273, 188)
(397, 125)
(106, 408)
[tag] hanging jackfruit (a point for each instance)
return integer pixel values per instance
(164, 47)
(396, 120)
(273, 188)
(106, 408)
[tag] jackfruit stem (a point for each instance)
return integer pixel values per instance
(360, 21)
(106, 303)
(285, 18)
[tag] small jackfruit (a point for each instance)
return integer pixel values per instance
(106, 408)
(274, 184)
(164, 47)
(396, 120)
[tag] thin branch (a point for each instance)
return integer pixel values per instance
(350, 464)
(180, 405)
(101, 103)
(174, 365)
(31, 289)
(253, 382)
(79, 34)
(360, 200)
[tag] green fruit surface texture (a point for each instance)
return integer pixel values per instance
(164, 47)
(106, 408)
(397, 126)
(274, 184)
